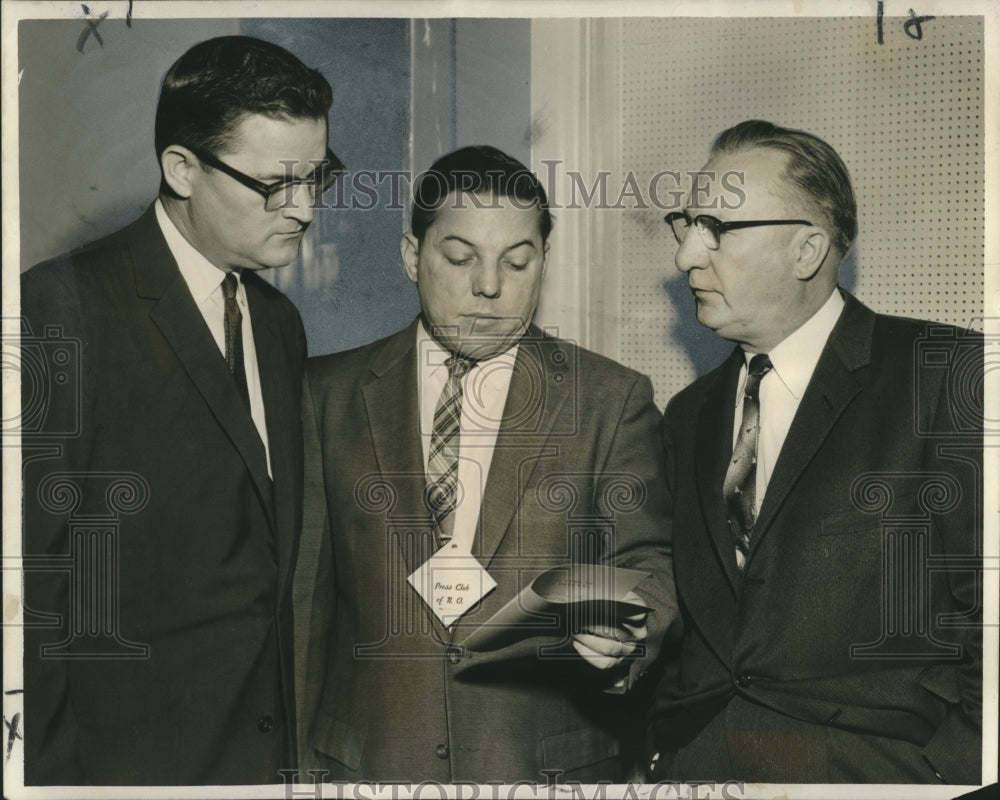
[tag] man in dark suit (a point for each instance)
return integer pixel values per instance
(472, 437)
(162, 466)
(826, 490)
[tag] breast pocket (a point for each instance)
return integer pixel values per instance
(849, 523)
(854, 518)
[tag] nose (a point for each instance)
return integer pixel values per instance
(691, 253)
(300, 205)
(486, 280)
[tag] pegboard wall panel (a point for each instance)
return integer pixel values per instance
(905, 115)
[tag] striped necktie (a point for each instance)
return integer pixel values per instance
(739, 488)
(234, 336)
(442, 460)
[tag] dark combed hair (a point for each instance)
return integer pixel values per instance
(476, 170)
(813, 166)
(218, 82)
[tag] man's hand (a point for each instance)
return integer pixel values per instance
(606, 646)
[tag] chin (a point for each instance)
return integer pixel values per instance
(703, 316)
(486, 346)
(274, 263)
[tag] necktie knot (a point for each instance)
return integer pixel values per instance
(458, 366)
(229, 285)
(760, 365)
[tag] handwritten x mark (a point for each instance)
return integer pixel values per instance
(91, 29)
(13, 733)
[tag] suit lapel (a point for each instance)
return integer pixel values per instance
(829, 392)
(539, 389)
(277, 384)
(182, 325)
(392, 401)
(714, 438)
(521, 440)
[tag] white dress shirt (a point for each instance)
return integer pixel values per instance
(793, 363)
(204, 281)
(484, 394)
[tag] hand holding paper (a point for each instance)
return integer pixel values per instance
(606, 646)
(568, 601)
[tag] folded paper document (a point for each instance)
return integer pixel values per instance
(560, 601)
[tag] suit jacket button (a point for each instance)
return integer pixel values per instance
(441, 751)
(454, 654)
(265, 723)
(744, 681)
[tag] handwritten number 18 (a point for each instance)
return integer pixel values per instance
(912, 26)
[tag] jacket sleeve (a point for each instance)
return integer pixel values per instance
(55, 438)
(313, 588)
(632, 490)
(954, 751)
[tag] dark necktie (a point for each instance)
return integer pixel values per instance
(234, 336)
(739, 488)
(442, 460)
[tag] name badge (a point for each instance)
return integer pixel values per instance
(451, 583)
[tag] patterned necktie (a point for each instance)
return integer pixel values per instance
(442, 460)
(739, 488)
(234, 336)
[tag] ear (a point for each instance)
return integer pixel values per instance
(545, 257)
(179, 165)
(409, 249)
(813, 248)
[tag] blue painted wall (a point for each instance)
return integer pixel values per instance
(349, 282)
(87, 164)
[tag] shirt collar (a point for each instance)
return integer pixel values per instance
(794, 359)
(201, 275)
(433, 355)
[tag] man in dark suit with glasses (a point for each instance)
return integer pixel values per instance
(167, 654)
(826, 504)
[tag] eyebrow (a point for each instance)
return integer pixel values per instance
(274, 177)
(695, 211)
(454, 238)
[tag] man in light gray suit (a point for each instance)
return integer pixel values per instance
(471, 435)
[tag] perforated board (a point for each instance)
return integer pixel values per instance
(905, 115)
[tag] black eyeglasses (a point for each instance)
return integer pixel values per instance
(279, 194)
(711, 229)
